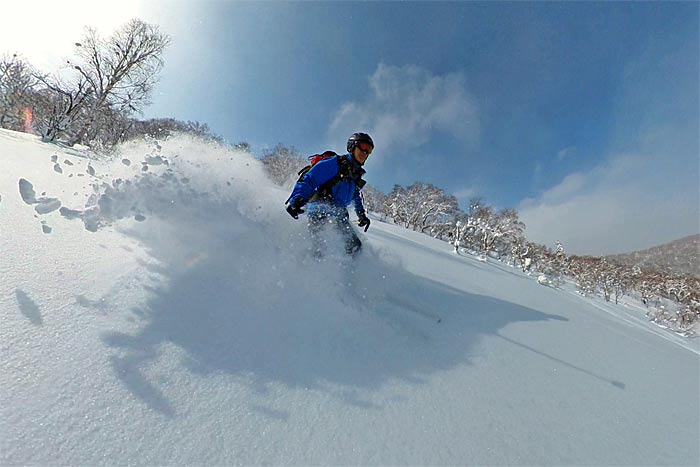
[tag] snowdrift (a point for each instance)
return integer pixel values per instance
(160, 307)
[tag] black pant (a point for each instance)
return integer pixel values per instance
(339, 220)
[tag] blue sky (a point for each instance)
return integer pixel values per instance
(583, 116)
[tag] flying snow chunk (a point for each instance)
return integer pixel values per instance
(47, 205)
(90, 170)
(106, 204)
(57, 168)
(70, 213)
(91, 220)
(157, 160)
(26, 190)
(126, 162)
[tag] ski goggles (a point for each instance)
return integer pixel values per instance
(366, 148)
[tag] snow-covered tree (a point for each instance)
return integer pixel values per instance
(463, 232)
(282, 163)
(17, 84)
(650, 287)
(521, 254)
(623, 280)
(436, 209)
(373, 199)
(162, 128)
(511, 231)
(606, 277)
(422, 207)
(677, 288)
(395, 206)
(583, 270)
(538, 255)
(492, 227)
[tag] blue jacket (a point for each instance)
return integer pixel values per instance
(343, 193)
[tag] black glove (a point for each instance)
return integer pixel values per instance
(294, 208)
(363, 220)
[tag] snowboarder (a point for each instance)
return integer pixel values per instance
(329, 187)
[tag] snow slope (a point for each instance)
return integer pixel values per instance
(162, 308)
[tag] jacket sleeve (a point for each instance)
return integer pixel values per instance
(359, 205)
(314, 178)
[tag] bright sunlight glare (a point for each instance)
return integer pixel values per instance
(45, 31)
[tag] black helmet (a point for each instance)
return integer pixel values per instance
(359, 138)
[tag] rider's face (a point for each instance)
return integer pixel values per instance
(360, 154)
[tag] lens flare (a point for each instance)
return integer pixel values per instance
(28, 118)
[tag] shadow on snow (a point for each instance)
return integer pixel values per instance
(236, 303)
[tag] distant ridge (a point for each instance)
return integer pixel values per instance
(680, 256)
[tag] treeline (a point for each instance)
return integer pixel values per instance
(672, 300)
(94, 97)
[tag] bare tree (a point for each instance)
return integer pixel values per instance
(60, 105)
(120, 72)
(111, 78)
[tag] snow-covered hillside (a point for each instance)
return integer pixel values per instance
(680, 256)
(160, 307)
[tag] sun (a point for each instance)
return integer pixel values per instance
(43, 32)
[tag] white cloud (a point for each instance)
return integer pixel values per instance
(565, 153)
(406, 105)
(631, 202)
(569, 186)
(464, 194)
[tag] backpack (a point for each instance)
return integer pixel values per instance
(313, 161)
(324, 190)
